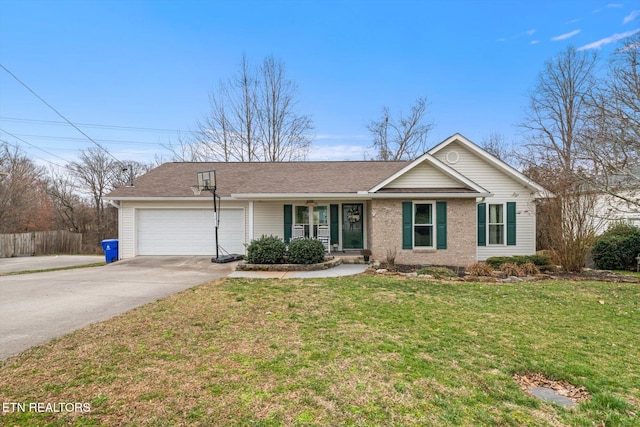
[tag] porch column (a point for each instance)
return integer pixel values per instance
(251, 221)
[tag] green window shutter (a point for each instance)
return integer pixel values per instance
(335, 223)
(511, 223)
(482, 224)
(441, 222)
(407, 225)
(288, 222)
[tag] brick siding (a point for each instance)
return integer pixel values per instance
(386, 234)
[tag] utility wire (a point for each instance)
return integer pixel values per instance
(38, 148)
(94, 125)
(59, 114)
(68, 138)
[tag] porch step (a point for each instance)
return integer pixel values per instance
(352, 259)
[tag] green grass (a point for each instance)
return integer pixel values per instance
(348, 351)
(627, 273)
(44, 270)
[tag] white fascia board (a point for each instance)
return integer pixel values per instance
(427, 195)
(300, 196)
(509, 170)
(438, 165)
(166, 199)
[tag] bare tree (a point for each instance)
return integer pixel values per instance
(612, 142)
(557, 111)
(283, 131)
(24, 205)
(402, 138)
(253, 117)
(95, 174)
(69, 206)
(556, 118)
(573, 240)
(496, 145)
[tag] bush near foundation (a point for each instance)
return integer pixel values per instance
(617, 248)
(480, 269)
(306, 251)
(266, 250)
(542, 261)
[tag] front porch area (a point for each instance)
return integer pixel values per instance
(341, 227)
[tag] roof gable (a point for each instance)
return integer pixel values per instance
(424, 175)
(441, 151)
(427, 172)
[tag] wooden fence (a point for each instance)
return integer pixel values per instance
(40, 243)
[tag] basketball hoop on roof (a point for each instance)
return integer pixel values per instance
(206, 181)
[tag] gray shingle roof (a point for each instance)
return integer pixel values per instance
(176, 178)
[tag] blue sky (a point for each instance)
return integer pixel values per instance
(150, 65)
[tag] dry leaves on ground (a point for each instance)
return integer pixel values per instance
(563, 388)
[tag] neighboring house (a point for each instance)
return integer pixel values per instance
(624, 206)
(453, 205)
(611, 210)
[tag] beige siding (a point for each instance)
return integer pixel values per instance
(268, 219)
(504, 189)
(424, 176)
(610, 210)
(126, 232)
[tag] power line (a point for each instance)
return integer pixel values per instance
(98, 126)
(37, 148)
(68, 138)
(59, 113)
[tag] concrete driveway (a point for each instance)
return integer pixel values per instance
(32, 263)
(34, 308)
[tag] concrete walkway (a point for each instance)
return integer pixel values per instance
(340, 270)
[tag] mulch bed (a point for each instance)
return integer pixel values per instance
(597, 275)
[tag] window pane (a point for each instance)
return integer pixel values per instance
(302, 215)
(423, 235)
(495, 214)
(320, 215)
(422, 214)
(496, 234)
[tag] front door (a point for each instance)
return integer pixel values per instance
(352, 226)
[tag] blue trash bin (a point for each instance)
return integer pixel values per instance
(110, 248)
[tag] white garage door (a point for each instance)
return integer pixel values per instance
(189, 231)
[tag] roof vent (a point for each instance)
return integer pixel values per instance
(452, 157)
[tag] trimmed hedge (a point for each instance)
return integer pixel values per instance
(266, 250)
(306, 251)
(543, 262)
(617, 248)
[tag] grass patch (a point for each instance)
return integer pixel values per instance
(44, 270)
(346, 351)
(627, 273)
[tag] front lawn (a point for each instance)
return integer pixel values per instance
(348, 351)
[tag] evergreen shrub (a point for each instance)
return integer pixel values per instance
(306, 251)
(617, 248)
(266, 250)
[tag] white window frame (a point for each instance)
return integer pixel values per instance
(432, 224)
(310, 225)
(503, 224)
